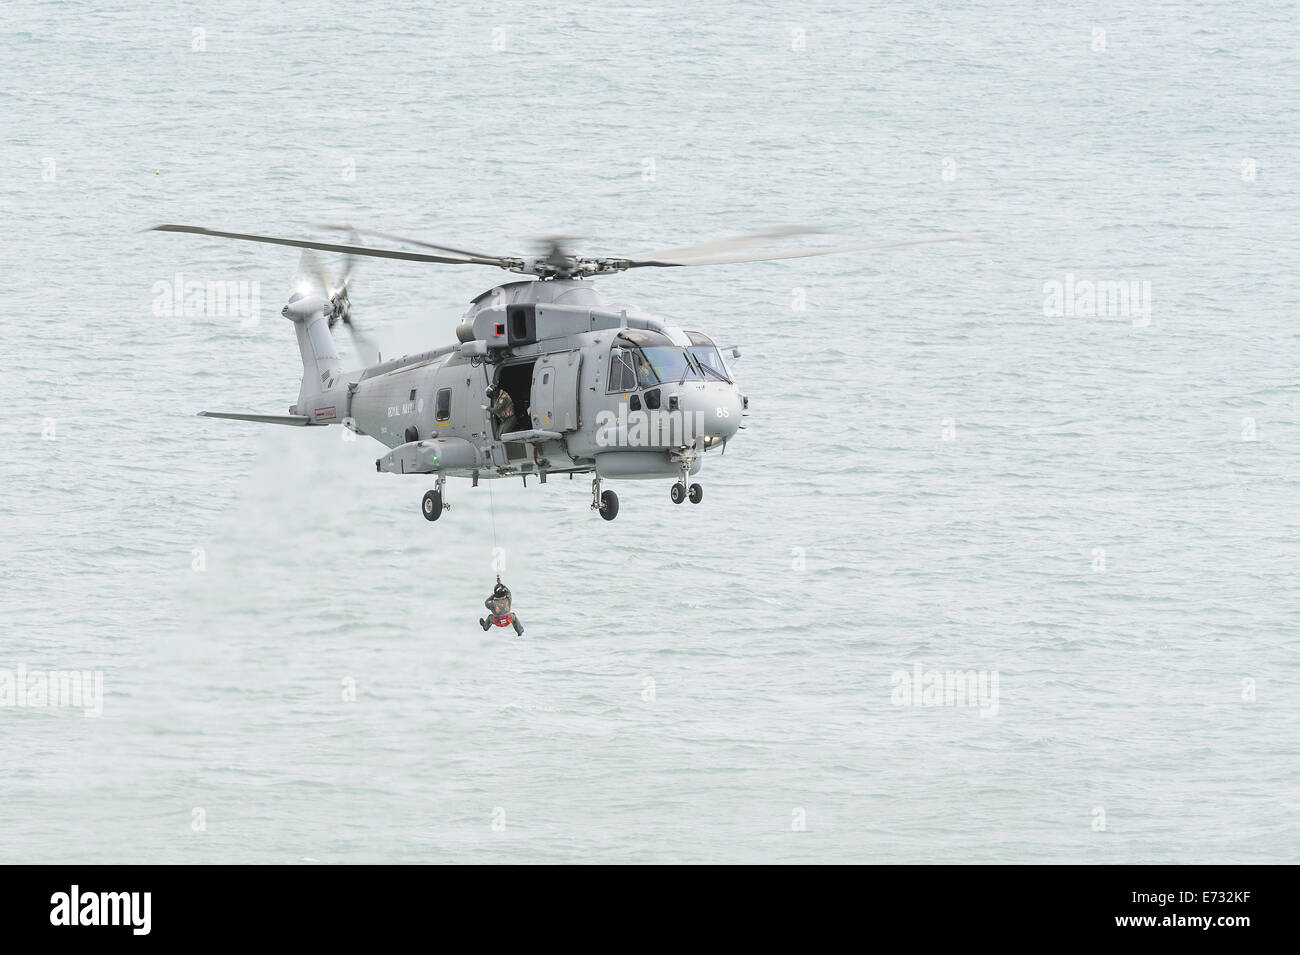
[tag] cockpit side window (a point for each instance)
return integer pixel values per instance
(710, 361)
(622, 376)
(706, 355)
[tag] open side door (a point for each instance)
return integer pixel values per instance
(555, 391)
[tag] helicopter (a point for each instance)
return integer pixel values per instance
(545, 378)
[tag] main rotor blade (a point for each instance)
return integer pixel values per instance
(793, 254)
(501, 263)
(402, 238)
(726, 245)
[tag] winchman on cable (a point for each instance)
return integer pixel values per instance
(499, 611)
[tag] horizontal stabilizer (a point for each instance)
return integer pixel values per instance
(298, 420)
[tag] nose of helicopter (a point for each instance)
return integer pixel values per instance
(717, 407)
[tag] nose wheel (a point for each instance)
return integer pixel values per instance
(680, 492)
(432, 506)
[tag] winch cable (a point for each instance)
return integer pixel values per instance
(493, 513)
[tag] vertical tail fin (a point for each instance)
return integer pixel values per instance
(320, 360)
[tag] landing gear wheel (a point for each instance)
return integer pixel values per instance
(609, 505)
(696, 494)
(431, 505)
(678, 492)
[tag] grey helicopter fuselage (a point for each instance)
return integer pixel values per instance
(595, 389)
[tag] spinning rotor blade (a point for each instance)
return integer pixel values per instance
(793, 254)
(726, 245)
(556, 262)
(349, 269)
(349, 264)
(367, 352)
(334, 226)
(310, 277)
(345, 248)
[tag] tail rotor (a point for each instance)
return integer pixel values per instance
(314, 278)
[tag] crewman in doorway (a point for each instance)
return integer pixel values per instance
(503, 407)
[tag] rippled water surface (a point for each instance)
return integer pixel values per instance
(1100, 510)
